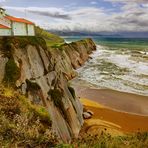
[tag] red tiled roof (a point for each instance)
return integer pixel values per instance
(21, 20)
(3, 27)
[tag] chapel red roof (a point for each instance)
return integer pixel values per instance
(21, 20)
(4, 27)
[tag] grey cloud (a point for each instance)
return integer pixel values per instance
(139, 14)
(136, 19)
(132, 21)
(138, 23)
(57, 15)
(53, 12)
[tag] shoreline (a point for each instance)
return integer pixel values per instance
(117, 122)
(104, 103)
(115, 100)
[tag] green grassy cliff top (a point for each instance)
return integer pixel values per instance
(51, 39)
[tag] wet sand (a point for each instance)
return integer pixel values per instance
(120, 101)
(128, 111)
(127, 122)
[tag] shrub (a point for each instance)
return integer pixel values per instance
(22, 124)
(12, 72)
(139, 140)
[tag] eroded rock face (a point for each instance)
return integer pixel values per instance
(43, 78)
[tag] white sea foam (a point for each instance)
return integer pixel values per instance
(125, 62)
(116, 69)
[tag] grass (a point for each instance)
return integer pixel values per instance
(23, 124)
(136, 140)
(43, 38)
(52, 40)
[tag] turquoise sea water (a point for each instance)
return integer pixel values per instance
(134, 43)
(118, 63)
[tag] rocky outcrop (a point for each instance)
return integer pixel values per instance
(42, 73)
(87, 114)
(79, 51)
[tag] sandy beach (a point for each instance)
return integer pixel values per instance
(121, 101)
(118, 110)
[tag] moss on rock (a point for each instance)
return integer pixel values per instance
(12, 72)
(32, 85)
(56, 96)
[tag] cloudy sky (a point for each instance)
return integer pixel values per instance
(83, 15)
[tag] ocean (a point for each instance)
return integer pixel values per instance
(118, 63)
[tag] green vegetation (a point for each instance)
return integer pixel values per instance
(9, 43)
(43, 38)
(35, 41)
(137, 140)
(32, 85)
(56, 96)
(51, 39)
(59, 45)
(6, 46)
(12, 72)
(23, 124)
(22, 42)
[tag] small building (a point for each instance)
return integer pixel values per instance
(4, 30)
(12, 26)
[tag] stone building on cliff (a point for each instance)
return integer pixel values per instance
(12, 26)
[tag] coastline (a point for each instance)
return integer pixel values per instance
(112, 113)
(115, 100)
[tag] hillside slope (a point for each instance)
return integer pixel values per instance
(51, 39)
(23, 124)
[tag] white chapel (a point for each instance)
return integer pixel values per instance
(12, 26)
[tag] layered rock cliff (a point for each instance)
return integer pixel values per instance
(42, 73)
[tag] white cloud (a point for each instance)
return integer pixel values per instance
(145, 5)
(1, 2)
(93, 3)
(132, 17)
(128, 1)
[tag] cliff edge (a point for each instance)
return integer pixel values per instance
(41, 73)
